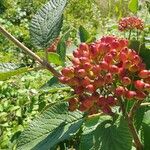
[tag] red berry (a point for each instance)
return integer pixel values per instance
(111, 101)
(76, 53)
(130, 94)
(114, 69)
(68, 71)
(81, 73)
(108, 78)
(140, 95)
(139, 84)
(119, 91)
(83, 47)
(85, 81)
(87, 103)
(144, 74)
(107, 110)
(90, 88)
(108, 58)
(104, 65)
(126, 81)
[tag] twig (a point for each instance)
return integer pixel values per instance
(29, 52)
(145, 104)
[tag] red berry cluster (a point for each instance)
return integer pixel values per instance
(130, 23)
(53, 46)
(102, 72)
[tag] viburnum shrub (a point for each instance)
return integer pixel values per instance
(104, 71)
(105, 79)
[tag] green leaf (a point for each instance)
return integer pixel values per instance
(83, 33)
(61, 50)
(146, 130)
(139, 117)
(53, 85)
(8, 70)
(108, 136)
(54, 58)
(46, 24)
(133, 6)
(144, 52)
(88, 135)
(54, 125)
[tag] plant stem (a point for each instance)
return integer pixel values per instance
(130, 121)
(29, 52)
(129, 34)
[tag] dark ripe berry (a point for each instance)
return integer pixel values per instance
(111, 101)
(79, 89)
(108, 58)
(107, 110)
(140, 95)
(81, 73)
(114, 69)
(73, 104)
(90, 88)
(126, 81)
(102, 102)
(108, 78)
(139, 84)
(83, 47)
(104, 65)
(87, 103)
(130, 94)
(144, 74)
(119, 91)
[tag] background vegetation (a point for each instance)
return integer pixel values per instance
(21, 97)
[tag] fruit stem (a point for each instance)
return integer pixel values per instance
(29, 52)
(130, 121)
